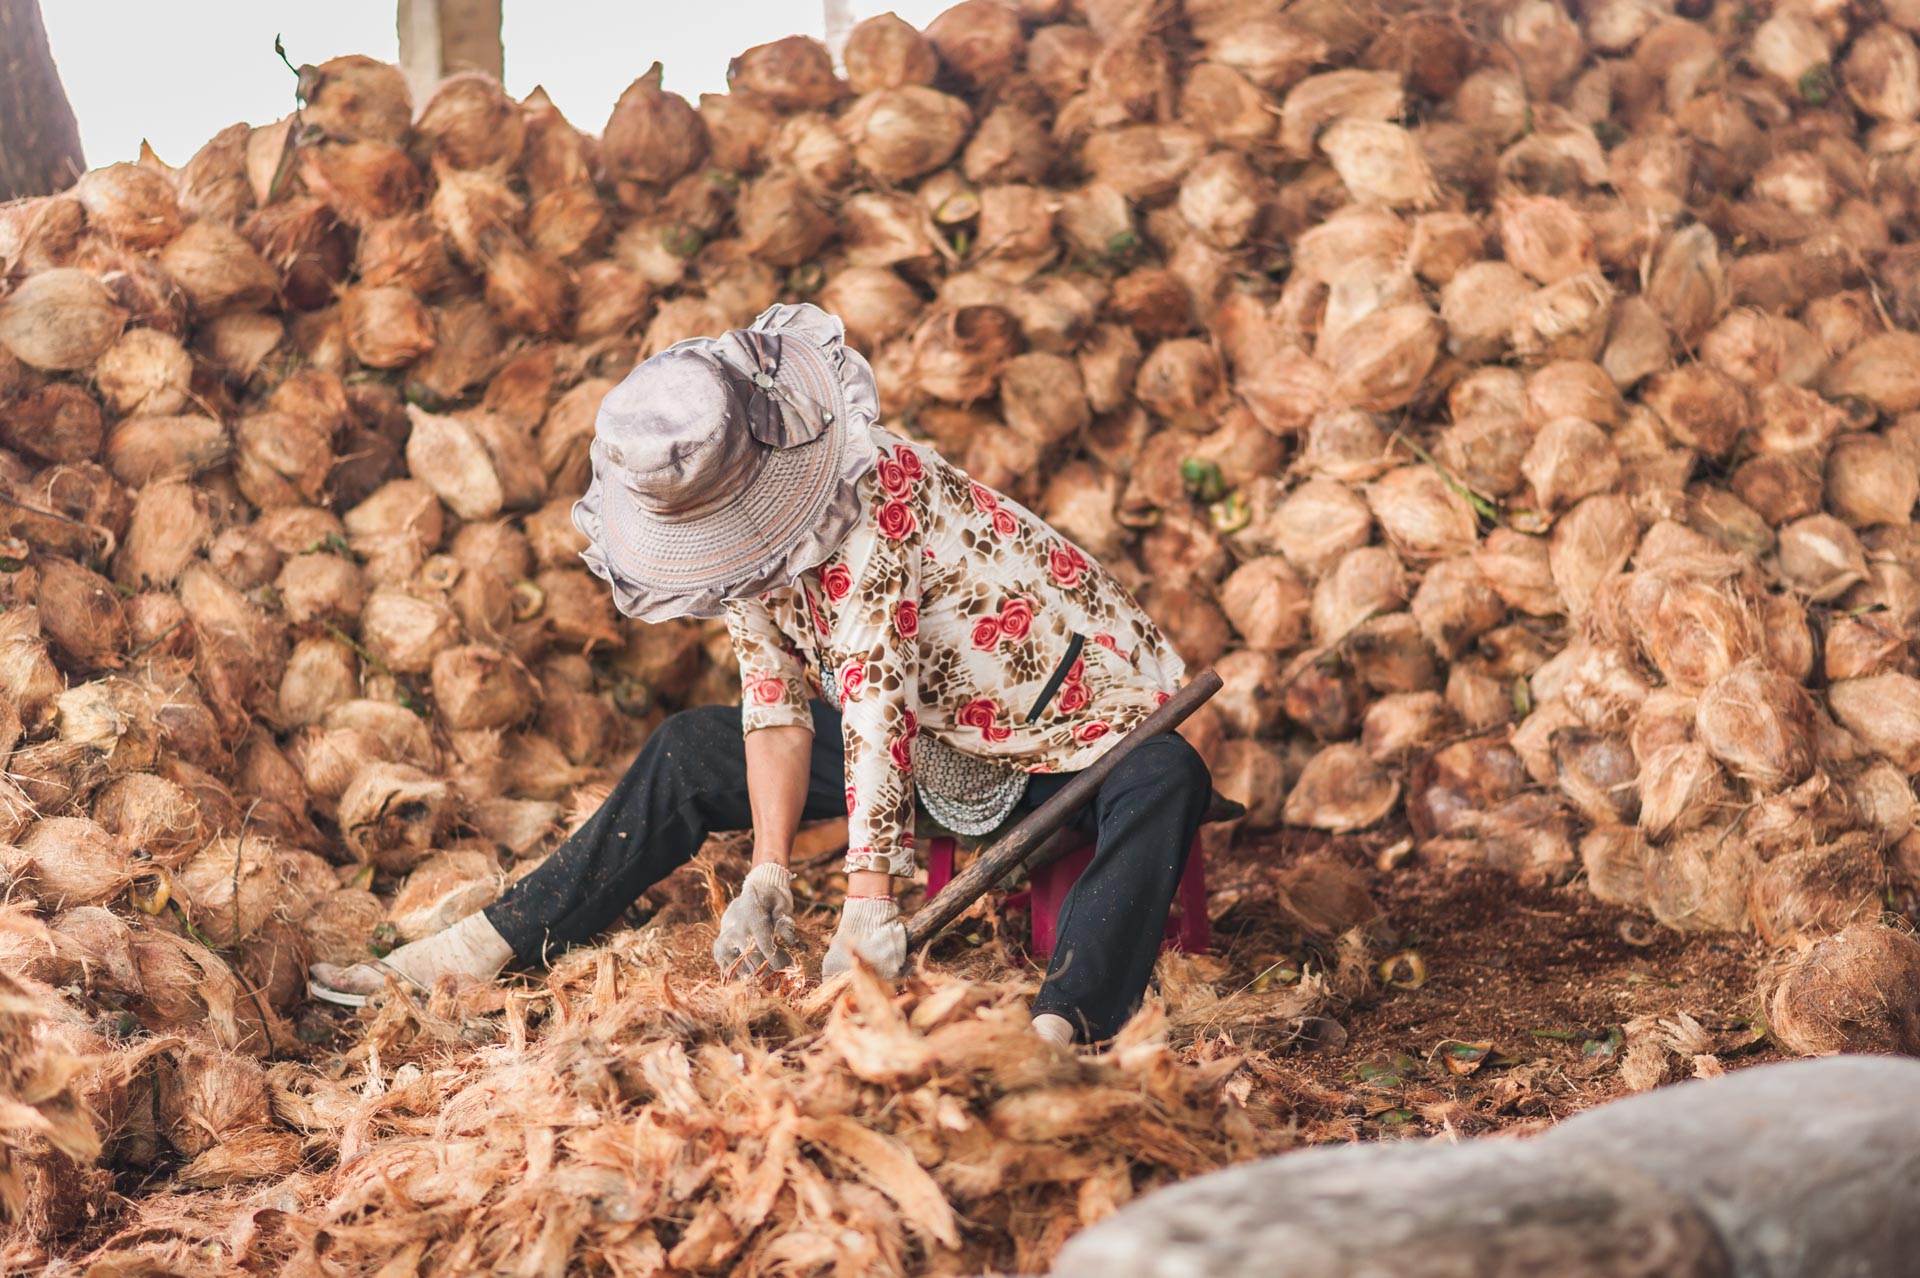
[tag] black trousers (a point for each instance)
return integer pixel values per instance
(690, 780)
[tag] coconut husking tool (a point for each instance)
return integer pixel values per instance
(1027, 838)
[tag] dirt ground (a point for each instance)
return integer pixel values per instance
(1492, 1005)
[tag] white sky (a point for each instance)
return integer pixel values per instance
(175, 72)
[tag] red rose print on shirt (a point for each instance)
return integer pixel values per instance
(896, 521)
(1065, 566)
(986, 634)
(909, 724)
(893, 477)
(1106, 641)
(906, 618)
(1003, 524)
(1073, 698)
(1016, 619)
(839, 582)
(983, 499)
(901, 748)
(1161, 698)
(980, 713)
(853, 677)
(768, 691)
(1092, 731)
(909, 462)
(853, 800)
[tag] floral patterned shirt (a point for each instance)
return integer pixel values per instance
(948, 610)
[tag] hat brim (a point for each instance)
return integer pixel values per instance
(789, 517)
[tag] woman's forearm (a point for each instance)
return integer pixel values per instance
(778, 762)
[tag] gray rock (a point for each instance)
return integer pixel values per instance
(1806, 1169)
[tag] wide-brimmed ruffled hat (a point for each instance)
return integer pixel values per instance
(726, 466)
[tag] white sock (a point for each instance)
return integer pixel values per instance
(470, 948)
(1057, 1030)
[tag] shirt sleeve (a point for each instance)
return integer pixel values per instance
(879, 719)
(773, 687)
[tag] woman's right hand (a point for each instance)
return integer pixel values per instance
(757, 930)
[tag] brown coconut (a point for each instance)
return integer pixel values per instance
(1421, 514)
(59, 422)
(392, 813)
(1455, 604)
(476, 687)
(150, 814)
(1681, 788)
(146, 371)
(1856, 991)
(1266, 602)
(70, 861)
(1401, 725)
(59, 319)
(885, 52)
(901, 134)
(230, 888)
(442, 890)
(1698, 881)
(1812, 892)
(652, 136)
(1821, 556)
(1590, 544)
(1380, 361)
(204, 1097)
(470, 123)
(81, 615)
(217, 270)
(792, 74)
(1869, 481)
(1366, 582)
(1615, 860)
(386, 326)
(356, 97)
(322, 673)
(1883, 711)
(1341, 789)
(406, 632)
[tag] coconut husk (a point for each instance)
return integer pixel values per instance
(57, 423)
(406, 632)
(1698, 881)
(1421, 515)
(1813, 892)
(146, 371)
(150, 814)
(1341, 789)
(230, 888)
(442, 890)
(885, 52)
(217, 270)
(1266, 602)
(114, 718)
(1143, 161)
(652, 136)
(1480, 306)
(59, 319)
(477, 688)
(1821, 557)
(322, 673)
(1318, 523)
(792, 74)
(779, 221)
(1456, 604)
(1597, 774)
(1881, 710)
(240, 342)
(1858, 647)
(82, 617)
(356, 97)
(1856, 991)
(1869, 481)
(469, 123)
(1218, 101)
(391, 814)
(1681, 788)
(1365, 582)
(213, 183)
(205, 1096)
(1615, 860)
(901, 134)
(1402, 725)
(281, 460)
(71, 861)
(244, 558)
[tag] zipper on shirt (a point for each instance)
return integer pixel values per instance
(1058, 677)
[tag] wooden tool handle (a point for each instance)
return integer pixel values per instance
(996, 862)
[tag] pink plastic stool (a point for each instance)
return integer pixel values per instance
(1047, 888)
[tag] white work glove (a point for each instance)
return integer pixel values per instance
(470, 950)
(758, 927)
(870, 927)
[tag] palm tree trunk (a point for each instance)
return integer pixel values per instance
(39, 140)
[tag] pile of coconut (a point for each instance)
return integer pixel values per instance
(1521, 412)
